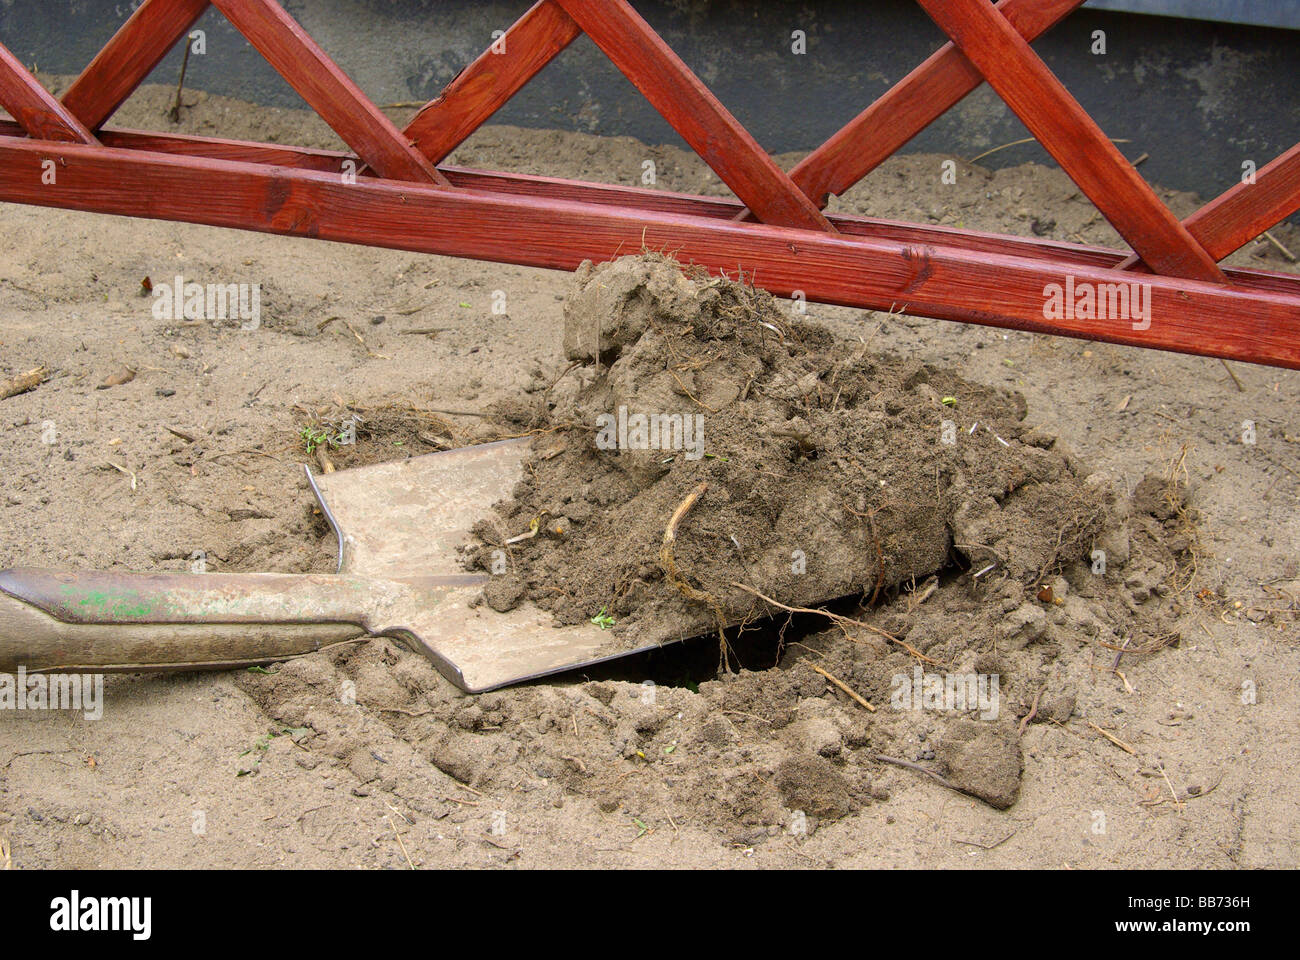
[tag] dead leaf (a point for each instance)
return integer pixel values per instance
(125, 375)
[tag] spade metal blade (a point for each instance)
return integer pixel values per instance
(405, 519)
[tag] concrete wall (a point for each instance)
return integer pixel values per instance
(1261, 13)
(1199, 97)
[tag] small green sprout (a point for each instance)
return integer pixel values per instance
(313, 437)
(603, 619)
(262, 745)
(318, 436)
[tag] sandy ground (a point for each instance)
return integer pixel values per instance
(216, 770)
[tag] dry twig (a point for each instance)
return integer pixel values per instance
(843, 686)
(1115, 740)
(23, 382)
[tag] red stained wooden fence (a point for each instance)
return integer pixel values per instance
(775, 231)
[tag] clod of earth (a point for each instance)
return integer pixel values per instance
(815, 786)
(983, 759)
(827, 470)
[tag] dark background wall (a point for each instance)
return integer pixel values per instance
(1200, 97)
(1262, 13)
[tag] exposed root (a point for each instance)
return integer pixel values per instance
(674, 575)
(839, 621)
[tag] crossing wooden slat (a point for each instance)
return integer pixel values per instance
(35, 109)
(134, 50)
(1258, 326)
(485, 85)
(1240, 214)
(328, 90)
(694, 112)
(1066, 131)
(910, 106)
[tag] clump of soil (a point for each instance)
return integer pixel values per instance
(798, 465)
(339, 435)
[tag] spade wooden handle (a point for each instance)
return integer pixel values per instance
(106, 621)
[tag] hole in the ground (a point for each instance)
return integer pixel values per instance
(762, 645)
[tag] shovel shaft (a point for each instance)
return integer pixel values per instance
(110, 621)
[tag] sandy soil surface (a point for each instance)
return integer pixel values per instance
(198, 454)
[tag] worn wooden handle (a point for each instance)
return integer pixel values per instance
(104, 622)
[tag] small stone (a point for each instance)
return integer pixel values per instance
(1058, 708)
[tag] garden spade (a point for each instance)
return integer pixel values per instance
(398, 525)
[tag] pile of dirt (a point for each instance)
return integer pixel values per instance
(708, 446)
(975, 558)
(769, 753)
